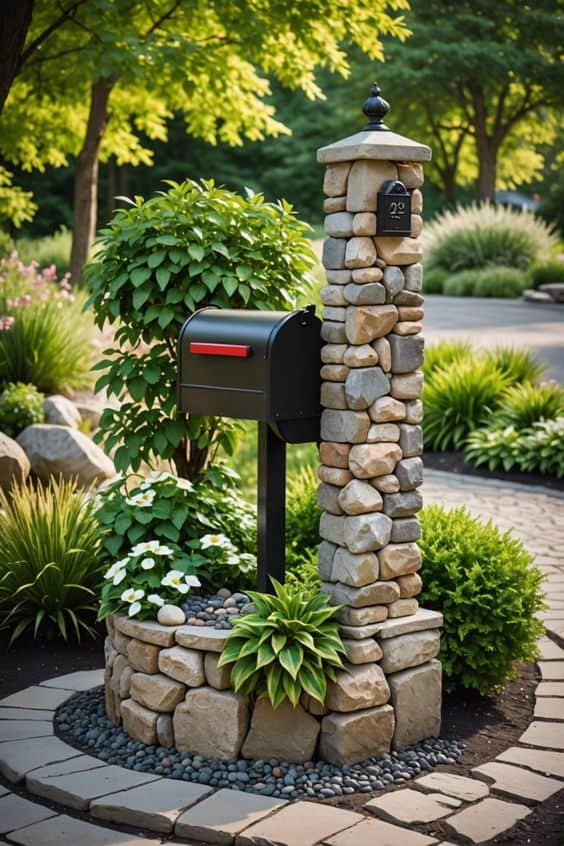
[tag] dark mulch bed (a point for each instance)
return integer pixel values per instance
(487, 725)
(453, 462)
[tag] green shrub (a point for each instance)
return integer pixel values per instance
(302, 574)
(483, 582)
(500, 282)
(547, 274)
(302, 515)
(494, 446)
(525, 404)
(196, 245)
(461, 284)
(481, 235)
(457, 400)
(47, 251)
(288, 647)
(50, 562)
(536, 449)
(444, 353)
(46, 348)
(517, 365)
(20, 406)
(434, 280)
(6, 244)
(208, 528)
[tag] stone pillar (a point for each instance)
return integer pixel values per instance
(371, 438)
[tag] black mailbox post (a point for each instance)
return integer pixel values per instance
(257, 365)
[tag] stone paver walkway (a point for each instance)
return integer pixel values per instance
(42, 777)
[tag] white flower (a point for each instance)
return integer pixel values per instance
(155, 599)
(119, 576)
(214, 540)
(177, 580)
(132, 595)
(116, 568)
(184, 485)
(141, 500)
(232, 559)
(160, 476)
(134, 609)
(148, 563)
(154, 547)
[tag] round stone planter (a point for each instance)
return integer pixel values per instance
(163, 684)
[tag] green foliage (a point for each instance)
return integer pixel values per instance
(50, 250)
(484, 583)
(290, 646)
(482, 235)
(536, 449)
(302, 516)
(547, 274)
(525, 404)
(20, 406)
(517, 365)
(500, 282)
(195, 245)
(49, 559)
(460, 284)
(209, 529)
(302, 574)
(434, 280)
(458, 399)
(444, 353)
(6, 244)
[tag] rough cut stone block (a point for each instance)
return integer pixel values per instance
(409, 650)
(393, 280)
(416, 201)
(165, 733)
(333, 353)
(407, 328)
(211, 723)
(369, 460)
(364, 651)
(366, 532)
(403, 504)
(423, 620)
(387, 410)
(355, 570)
(410, 585)
(364, 324)
(398, 559)
(333, 395)
(405, 529)
(360, 252)
(338, 277)
(416, 225)
(333, 313)
(365, 180)
(327, 498)
(357, 687)
(367, 274)
(288, 733)
(383, 433)
(416, 695)
(414, 411)
(364, 385)
(406, 313)
(362, 616)
(486, 819)
(408, 298)
(386, 484)
(364, 223)
(217, 677)
(332, 528)
(359, 498)
(407, 386)
(333, 475)
(143, 656)
(334, 253)
(326, 555)
(407, 353)
(334, 372)
(403, 608)
(398, 250)
(221, 817)
(361, 356)
(370, 294)
(146, 631)
(333, 333)
(184, 665)
(411, 440)
(332, 295)
(411, 807)
(334, 455)
(409, 472)
(378, 593)
(339, 225)
(465, 789)
(139, 722)
(382, 347)
(335, 179)
(353, 737)
(411, 175)
(344, 426)
(121, 643)
(335, 204)
(110, 654)
(156, 692)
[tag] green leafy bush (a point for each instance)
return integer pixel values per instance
(302, 574)
(461, 284)
(434, 280)
(290, 646)
(444, 353)
(50, 563)
(551, 273)
(20, 406)
(196, 245)
(302, 515)
(483, 582)
(481, 235)
(525, 404)
(536, 449)
(6, 244)
(209, 529)
(500, 282)
(50, 250)
(458, 399)
(517, 365)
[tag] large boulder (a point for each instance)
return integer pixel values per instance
(61, 411)
(14, 463)
(59, 450)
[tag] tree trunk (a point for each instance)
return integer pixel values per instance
(487, 155)
(86, 176)
(14, 24)
(189, 460)
(449, 186)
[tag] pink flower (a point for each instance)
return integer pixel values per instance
(49, 272)
(6, 323)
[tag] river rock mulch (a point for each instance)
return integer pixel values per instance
(217, 610)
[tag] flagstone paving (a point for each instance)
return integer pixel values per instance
(499, 794)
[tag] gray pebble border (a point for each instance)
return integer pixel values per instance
(217, 610)
(81, 722)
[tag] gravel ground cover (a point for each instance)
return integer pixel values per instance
(216, 610)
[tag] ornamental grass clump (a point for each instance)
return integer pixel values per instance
(289, 646)
(50, 563)
(484, 583)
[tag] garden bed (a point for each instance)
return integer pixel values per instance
(454, 462)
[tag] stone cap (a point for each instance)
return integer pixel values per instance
(382, 144)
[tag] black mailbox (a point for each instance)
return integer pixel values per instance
(257, 365)
(393, 214)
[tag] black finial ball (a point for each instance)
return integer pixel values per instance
(375, 108)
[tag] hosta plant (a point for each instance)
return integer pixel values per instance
(536, 449)
(289, 646)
